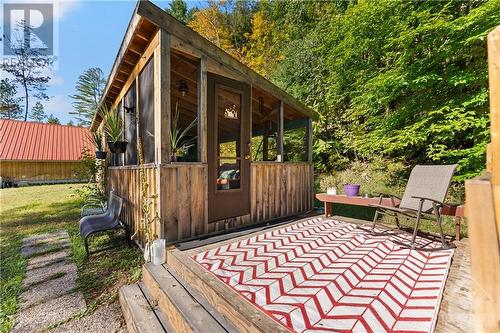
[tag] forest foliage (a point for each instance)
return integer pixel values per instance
(405, 81)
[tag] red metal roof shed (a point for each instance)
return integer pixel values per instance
(33, 141)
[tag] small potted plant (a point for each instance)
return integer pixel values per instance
(96, 139)
(329, 184)
(350, 183)
(113, 126)
(179, 142)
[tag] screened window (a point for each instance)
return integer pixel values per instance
(146, 112)
(129, 123)
(184, 107)
(265, 126)
(295, 147)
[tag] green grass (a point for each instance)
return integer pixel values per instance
(34, 210)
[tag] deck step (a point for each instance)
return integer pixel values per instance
(182, 309)
(139, 315)
(225, 301)
(154, 306)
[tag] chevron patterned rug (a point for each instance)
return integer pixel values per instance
(325, 275)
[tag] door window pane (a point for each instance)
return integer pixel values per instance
(228, 138)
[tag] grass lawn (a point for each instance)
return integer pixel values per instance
(34, 210)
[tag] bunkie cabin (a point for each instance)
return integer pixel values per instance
(248, 160)
(38, 153)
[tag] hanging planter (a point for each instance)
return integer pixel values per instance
(117, 147)
(100, 155)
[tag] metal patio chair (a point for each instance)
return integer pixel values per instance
(423, 198)
(94, 206)
(109, 220)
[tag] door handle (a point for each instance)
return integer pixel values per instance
(247, 157)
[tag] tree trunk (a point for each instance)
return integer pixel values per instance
(27, 103)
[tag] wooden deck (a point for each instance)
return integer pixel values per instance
(182, 290)
(456, 309)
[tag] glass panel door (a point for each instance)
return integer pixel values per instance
(228, 138)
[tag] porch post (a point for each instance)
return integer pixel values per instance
(162, 98)
(310, 160)
(309, 140)
(162, 115)
(202, 110)
(281, 112)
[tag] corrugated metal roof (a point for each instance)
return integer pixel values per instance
(20, 140)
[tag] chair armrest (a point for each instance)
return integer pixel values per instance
(437, 202)
(392, 197)
(381, 194)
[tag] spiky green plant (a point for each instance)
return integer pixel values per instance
(96, 139)
(178, 142)
(113, 124)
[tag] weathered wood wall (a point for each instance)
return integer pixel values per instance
(277, 190)
(124, 182)
(183, 200)
(280, 189)
(38, 170)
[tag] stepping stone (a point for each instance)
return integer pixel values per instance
(39, 317)
(30, 251)
(49, 258)
(104, 319)
(38, 239)
(37, 275)
(47, 290)
(39, 244)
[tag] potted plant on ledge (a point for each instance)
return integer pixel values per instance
(179, 142)
(96, 139)
(113, 126)
(350, 181)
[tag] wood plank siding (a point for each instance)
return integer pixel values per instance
(277, 190)
(280, 190)
(39, 170)
(125, 182)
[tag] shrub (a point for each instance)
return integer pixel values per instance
(375, 176)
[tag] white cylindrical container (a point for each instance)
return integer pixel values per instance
(331, 191)
(158, 252)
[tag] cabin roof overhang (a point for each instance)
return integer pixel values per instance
(146, 20)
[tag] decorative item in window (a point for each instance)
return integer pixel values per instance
(182, 87)
(231, 112)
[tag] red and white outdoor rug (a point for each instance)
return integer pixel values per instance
(324, 275)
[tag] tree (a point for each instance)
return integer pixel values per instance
(179, 10)
(89, 87)
(29, 67)
(70, 123)
(53, 120)
(38, 113)
(9, 103)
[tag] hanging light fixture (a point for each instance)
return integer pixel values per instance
(182, 87)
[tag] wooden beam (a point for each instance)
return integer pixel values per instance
(160, 18)
(280, 131)
(494, 147)
(143, 61)
(309, 139)
(135, 21)
(485, 259)
(202, 110)
(162, 98)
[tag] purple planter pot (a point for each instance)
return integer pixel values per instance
(351, 190)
